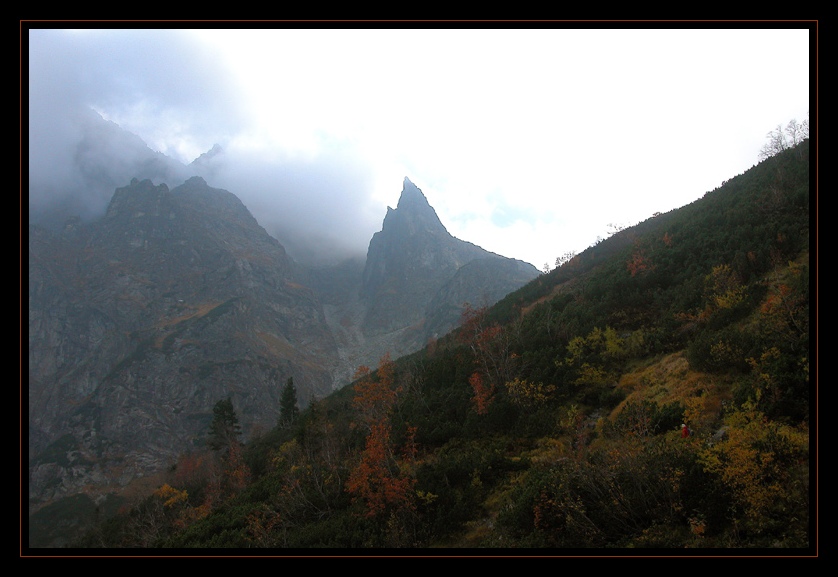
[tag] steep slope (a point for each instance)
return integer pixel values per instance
(698, 316)
(411, 287)
(146, 310)
(411, 268)
(139, 323)
(583, 377)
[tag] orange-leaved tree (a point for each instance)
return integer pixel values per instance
(483, 393)
(375, 395)
(378, 480)
(491, 347)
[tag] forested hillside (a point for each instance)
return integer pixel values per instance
(554, 418)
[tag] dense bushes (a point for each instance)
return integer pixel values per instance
(612, 496)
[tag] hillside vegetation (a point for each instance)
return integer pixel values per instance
(553, 419)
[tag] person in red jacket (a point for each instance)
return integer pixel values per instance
(685, 430)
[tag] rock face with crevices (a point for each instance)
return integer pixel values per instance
(140, 321)
(415, 268)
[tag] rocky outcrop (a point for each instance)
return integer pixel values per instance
(416, 270)
(140, 323)
(154, 303)
(481, 282)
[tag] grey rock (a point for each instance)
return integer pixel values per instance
(140, 321)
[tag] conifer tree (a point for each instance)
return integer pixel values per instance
(225, 428)
(288, 410)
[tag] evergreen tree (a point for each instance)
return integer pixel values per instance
(288, 410)
(225, 428)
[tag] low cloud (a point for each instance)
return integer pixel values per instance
(319, 207)
(318, 204)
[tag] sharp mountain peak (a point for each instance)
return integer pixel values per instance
(411, 195)
(413, 213)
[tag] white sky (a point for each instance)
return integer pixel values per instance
(530, 143)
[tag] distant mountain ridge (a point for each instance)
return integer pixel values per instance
(141, 320)
(103, 158)
(698, 316)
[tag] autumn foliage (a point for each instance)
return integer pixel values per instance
(236, 471)
(552, 420)
(483, 393)
(377, 481)
(376, 395)
(529, 394)
(491, 349)
(758, 462)
(638, 263)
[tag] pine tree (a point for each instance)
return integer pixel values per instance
(225, 428)
(288, 410)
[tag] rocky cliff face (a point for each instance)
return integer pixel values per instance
(139, 322)
(415, 268)
(411, 286)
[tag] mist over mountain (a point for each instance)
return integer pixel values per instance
(651, 392)
(140, 321)
(499, 434)
(143, 314)
(317, 206)
(75, 166)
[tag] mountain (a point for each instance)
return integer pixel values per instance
(414, 257)
(140, 322)
(142, 319)
(80, 176)
(412, 285)
(552, 419)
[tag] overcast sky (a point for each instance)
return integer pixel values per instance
(530, 143)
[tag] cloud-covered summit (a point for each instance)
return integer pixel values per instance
(88, 94)
(528, 142)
